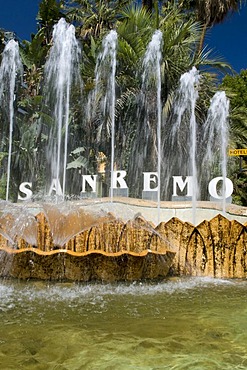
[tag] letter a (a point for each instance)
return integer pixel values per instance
(55, 186)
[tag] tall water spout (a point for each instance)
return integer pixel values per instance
(152, 72)
(105, 72)
(61, 69)
(11, 66)
(182, 135)
(216, 134)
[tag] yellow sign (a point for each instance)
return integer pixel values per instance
(236, 152)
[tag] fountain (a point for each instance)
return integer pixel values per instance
(124, 239)
(190, 323)
(152, 72)
(61, 69)
(183, 136)
(10, 68)
(59, 261)
(216, 137)
(104, 92)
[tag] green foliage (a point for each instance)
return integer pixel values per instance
(209, 13)
(94, 18)
(34, 52)
(236, 88)
(240, 190)
(237, 168)
(3, 183)
(78, 160)
(50, 11)
(135, 26)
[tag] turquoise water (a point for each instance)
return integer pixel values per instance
(176, 324)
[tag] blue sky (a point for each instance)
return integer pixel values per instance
(19, 16)
(228, 40)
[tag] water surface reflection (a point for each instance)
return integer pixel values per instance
(175, 324)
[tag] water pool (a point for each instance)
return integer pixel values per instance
(191, 323)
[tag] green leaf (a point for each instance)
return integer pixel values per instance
(78, 163)
(78, 150)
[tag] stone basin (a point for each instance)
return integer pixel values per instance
(83, 241)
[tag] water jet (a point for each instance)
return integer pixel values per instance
(127, 239)
(108, 282)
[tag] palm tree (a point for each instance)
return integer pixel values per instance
(210, 12)
(180, 37)
(135, 26)
(94, 18)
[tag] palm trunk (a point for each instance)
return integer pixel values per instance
(156, 10)
(202, 38)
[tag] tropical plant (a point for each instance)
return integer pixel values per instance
(50, 11)
(135, 27)
(210, 12)
(180, 38)
(94, 18)
(236, 89)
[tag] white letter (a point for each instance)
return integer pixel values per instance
(56, 186)
(149, 177)
(212, 188)
(91, 180)
(119, 179)
(23, 188)
(178, 181)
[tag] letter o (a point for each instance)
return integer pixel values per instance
(212, 188)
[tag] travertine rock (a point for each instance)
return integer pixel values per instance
(112, 250)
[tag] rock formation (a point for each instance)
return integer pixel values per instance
(109, 249)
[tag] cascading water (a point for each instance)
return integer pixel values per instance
(11, 66)
(216, 134)
(61, 69)
(152, 74)
(104, 92)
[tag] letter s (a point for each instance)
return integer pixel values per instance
(23, 188)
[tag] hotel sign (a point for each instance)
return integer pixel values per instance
(237, 152)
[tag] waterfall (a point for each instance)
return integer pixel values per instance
(10, 67)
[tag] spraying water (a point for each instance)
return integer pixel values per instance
(181, 137)
(104, 91)
(61, 68)
(11, 66)
(152, 73)
(216, 133)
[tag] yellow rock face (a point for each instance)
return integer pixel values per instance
(108, 249)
